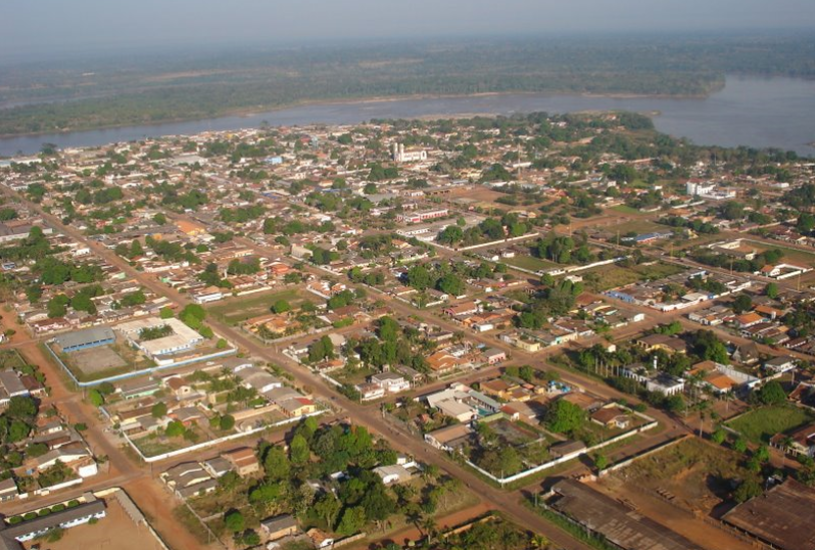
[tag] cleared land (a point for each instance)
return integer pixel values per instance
(693, 474)
(94, 360)
(761, 424)
(614, 276)
(624, 209)
(104, 361)
(10, 359)
(791, 255)
(237, 310)
(529, 262)
(638, 226)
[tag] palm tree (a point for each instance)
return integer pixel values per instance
(786, 446)
(431, 530)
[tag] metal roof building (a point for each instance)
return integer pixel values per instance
(83, 339)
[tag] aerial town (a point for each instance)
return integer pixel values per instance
(536, 331)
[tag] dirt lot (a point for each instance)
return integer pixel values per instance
(116, 531)
(479, 194)
(95, 360)
(155, 503)
(693, 474)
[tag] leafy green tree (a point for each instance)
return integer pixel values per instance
(234, 521)
(251, 538)
(378, 505)
(166, 313)
(707, 346)
(36, 449)
(276, 464)
(22, 406)
(96, 398)
(771, 290)
(418, 277)
(321, 349)
(749, 488)
(352, 521)
(450, 283)
(265, 493)
(565, 417)
(159, 410)
(772, 393)
(806, 223)
(327, 508)
(226, 422)
(718, 436)
(742, 303)
(175, 429)
(451, 235)
(193, 315)
(281, 306)
(299, 451)
(18, 431)
(58, 306)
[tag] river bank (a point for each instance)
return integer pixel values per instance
(754, 112)
(250, 113)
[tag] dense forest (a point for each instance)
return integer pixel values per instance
(87, 94)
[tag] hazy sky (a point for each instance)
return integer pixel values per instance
(43, 26)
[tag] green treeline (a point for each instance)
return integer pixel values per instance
(191, 87)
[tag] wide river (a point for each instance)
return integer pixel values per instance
(756, 112)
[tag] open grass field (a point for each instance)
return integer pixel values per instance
(791, 255)
(614, 276)
(237, 310)
(529, 262)
(624, 209)
(760, 425)
(637, 226)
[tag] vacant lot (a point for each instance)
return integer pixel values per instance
(694, 474)
(238, 310)
(116, 531)
(791, 255)
(637, 226)
(11, 359)
(529, 262)
(614, 276)
(761, 424)
(514, 434)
